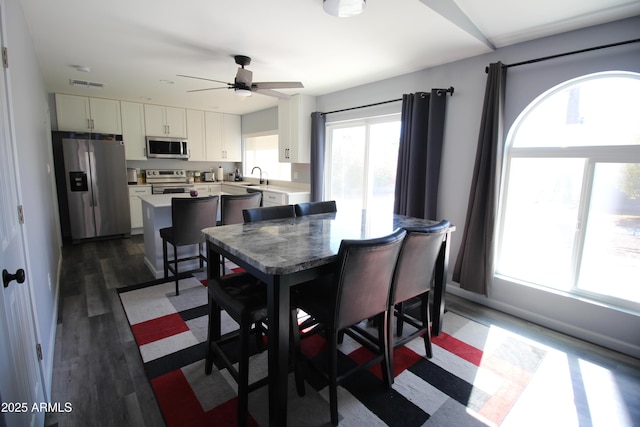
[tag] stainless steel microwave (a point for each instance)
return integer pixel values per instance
(167, 148)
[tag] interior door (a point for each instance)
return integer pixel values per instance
(20, 383)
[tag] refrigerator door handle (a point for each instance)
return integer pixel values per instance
(92, 167)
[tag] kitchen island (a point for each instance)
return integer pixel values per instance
(156, 214)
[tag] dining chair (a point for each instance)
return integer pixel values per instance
(357, 290)
(269, 212)
(188, 217)
(244, 298)
(412, 282)
(231, 207)
(312, 208)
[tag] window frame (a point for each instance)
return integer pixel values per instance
(592, 156)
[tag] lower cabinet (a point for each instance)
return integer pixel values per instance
(273, 199)
(135, 206)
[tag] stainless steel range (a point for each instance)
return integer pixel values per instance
(165, 181)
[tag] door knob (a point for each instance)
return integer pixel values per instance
(8, 277)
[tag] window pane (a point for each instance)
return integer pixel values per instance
(596, 111)
(262, 151)
(348, 167)
(540, 221)
(611, 258)
(385, 138)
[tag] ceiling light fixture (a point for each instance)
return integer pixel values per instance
(344, 8)
(242, 92)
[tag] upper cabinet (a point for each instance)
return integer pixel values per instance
(133, 133)
(223, 137)
(294, 128)
(196, 135)
(83, 114)
(165, 121)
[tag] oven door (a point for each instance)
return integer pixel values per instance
(167, 148)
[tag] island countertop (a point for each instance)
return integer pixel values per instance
(164, 200)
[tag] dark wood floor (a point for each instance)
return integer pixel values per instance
(97, 366)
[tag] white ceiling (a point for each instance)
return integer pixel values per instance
(131, 46)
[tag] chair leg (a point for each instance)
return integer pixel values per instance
(200, 255)
(399, 321)
(213, 333)
(296, 350)
(426, 321)
(383, 344)
(165, 258)
(243, 376)
(333, 376)
(175, 267)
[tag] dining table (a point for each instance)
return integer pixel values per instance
(285, 252)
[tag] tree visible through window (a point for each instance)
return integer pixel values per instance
(571, 194)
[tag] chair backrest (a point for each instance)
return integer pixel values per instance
(190, 215)
(363, 276)
(232, 206)
(312, 208)
(269, 212)
(417, 260)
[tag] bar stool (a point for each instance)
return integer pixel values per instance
(270, 212)
(231, 207)
(188, 217)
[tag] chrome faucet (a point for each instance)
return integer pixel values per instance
(257, 167)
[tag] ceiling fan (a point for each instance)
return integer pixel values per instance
(243, 84)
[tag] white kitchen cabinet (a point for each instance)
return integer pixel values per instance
(273, 199)
(223, 137)
(233, 189)
(165, 121)
(294, 128)
(133, 132)
(135, 206)
(83, 114)
(196, 135)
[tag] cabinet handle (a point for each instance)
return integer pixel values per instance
(88, 123)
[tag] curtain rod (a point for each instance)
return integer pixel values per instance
(439, 92)
(545, 58)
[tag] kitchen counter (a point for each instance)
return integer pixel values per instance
(274, 188)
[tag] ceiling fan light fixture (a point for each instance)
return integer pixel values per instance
(242, 91)
(344, 8)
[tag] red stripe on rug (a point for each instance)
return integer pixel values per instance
(226, 415)
(459, 348)
(179, 405)
(403, 358)
(159, 328)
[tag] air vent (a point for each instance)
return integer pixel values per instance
(84, 83)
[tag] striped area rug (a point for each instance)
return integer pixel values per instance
(476, 375)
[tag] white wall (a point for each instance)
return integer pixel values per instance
(32, 132)
(600, 324)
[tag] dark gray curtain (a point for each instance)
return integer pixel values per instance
(318, 121)
(475, 263)
(418, 172)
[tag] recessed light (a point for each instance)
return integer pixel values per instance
(166, 82)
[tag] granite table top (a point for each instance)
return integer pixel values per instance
(286, 246)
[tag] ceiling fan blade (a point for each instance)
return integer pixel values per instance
(276, 85)
(273, 93)
(202, 78)
(209, 88)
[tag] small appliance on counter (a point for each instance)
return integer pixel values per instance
(220, 174)
(237, 176)
(208, 176)
(132, 176)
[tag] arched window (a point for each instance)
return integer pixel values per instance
(570, 205)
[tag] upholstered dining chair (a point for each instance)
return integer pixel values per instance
(231, 207)
(357, 290)
(244, 298)
(312, 208)
(269, 212)
(412, 282)
(188, 217)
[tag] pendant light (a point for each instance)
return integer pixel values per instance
(344, 8)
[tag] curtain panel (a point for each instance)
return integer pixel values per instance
(420, 153)
(474, 266)
(318, 122)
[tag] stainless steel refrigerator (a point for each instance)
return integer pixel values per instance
(97, 192)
